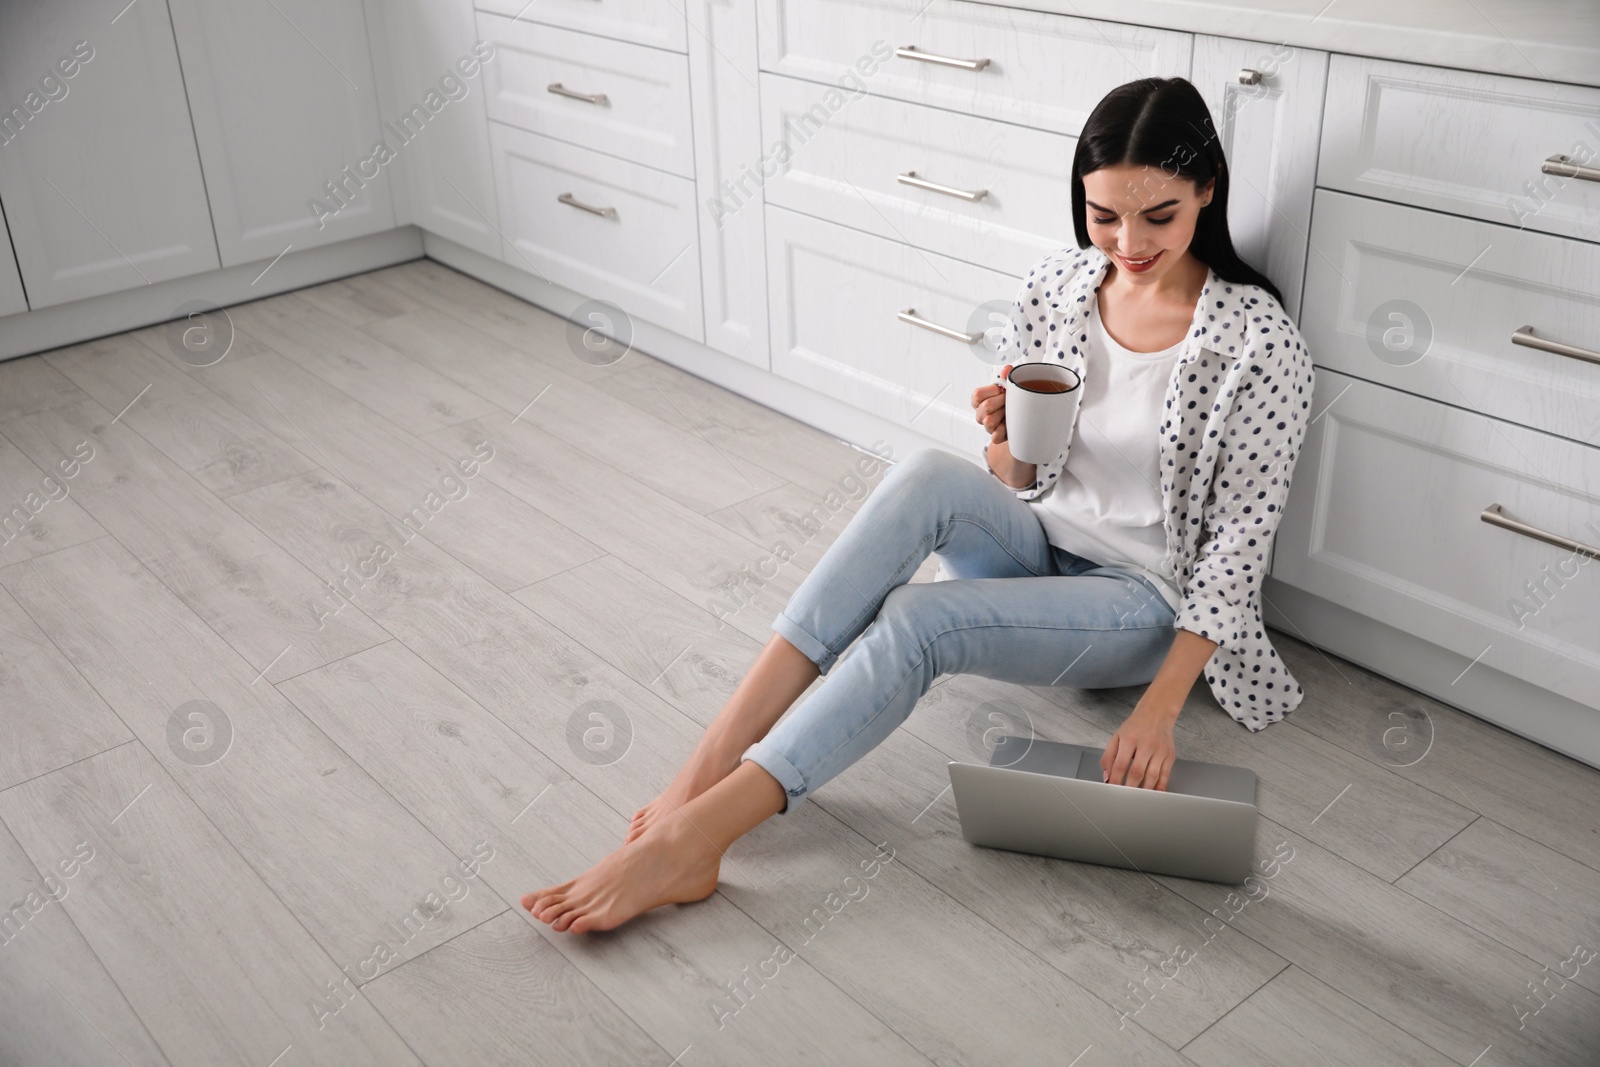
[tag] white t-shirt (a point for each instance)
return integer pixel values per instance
(1107, 505)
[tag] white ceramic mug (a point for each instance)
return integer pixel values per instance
(1039, 424)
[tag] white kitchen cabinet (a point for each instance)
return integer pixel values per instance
(650, 22)
(1464, 142)
(448, 169)
(604, 227)
(12, 298)
(728, 153)
(837, 299)
(1027, 67)
(287, 116)
(1386, 517)
(98, 172)
(1430, 303)
(1001, 190)
(1266, 106)
(615, 97)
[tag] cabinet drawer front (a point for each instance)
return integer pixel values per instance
(643, 118)
(1384, 517)
(1463, 142)
(846, 167)
(1042, 70)
(1455, 290)
(836, 297)
(641, 21)
(641, 256)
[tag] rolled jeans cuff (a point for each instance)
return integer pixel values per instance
(813, 650)
(778, 765)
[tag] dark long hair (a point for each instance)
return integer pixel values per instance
(1164, 123)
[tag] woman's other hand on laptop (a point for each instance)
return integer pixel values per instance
(1141, 752)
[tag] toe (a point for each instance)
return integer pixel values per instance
(554, 890)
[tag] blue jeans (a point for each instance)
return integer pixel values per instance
(1014, 607)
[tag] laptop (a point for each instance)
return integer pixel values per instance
(1048, 798)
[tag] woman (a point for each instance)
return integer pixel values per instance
(1134, 557)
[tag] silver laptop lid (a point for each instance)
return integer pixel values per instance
(1189, 777)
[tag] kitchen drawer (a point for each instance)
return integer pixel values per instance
(847, 167)
(643, 255)
(1376, 460)
(1463, 142)
(1381, 267)
(836, 298)
(650, 22)
(643, 115)
(1042, 70)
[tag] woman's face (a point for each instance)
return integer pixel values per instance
(1143, 219)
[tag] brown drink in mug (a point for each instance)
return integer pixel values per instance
(1041, 406)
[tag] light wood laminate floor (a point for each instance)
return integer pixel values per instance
(293, 709)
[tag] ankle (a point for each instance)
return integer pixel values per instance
(715, 757)
(679, 834)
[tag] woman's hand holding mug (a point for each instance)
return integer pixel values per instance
(990, 403)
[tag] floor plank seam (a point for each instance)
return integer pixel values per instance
(616, 369)
(74, 763)
(1241, 1003)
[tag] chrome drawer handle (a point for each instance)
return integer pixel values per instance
(910, 178)
(1566, 168)
(588, 98)
(1525, 336)
(1249, 77)
(910, 315)
(1495, 517)
(608, 212)
(910, 52)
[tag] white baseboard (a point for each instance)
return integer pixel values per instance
(1521, 707)
(84, 320)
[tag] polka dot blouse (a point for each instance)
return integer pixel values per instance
(1236, 412)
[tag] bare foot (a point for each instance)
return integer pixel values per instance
(672, 864)
(698, 775)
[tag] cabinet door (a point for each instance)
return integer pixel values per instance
(12, 299)
(650, 22)
(98, 171)
(1029, 67)
(449, 172)
(837, 298)
(622, 99)
(1464, 142)
(853, 170)
(727, 145)
(1435, 304)
(286, 114)
(601, 226)
(1397, 512)
(1269, 129)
